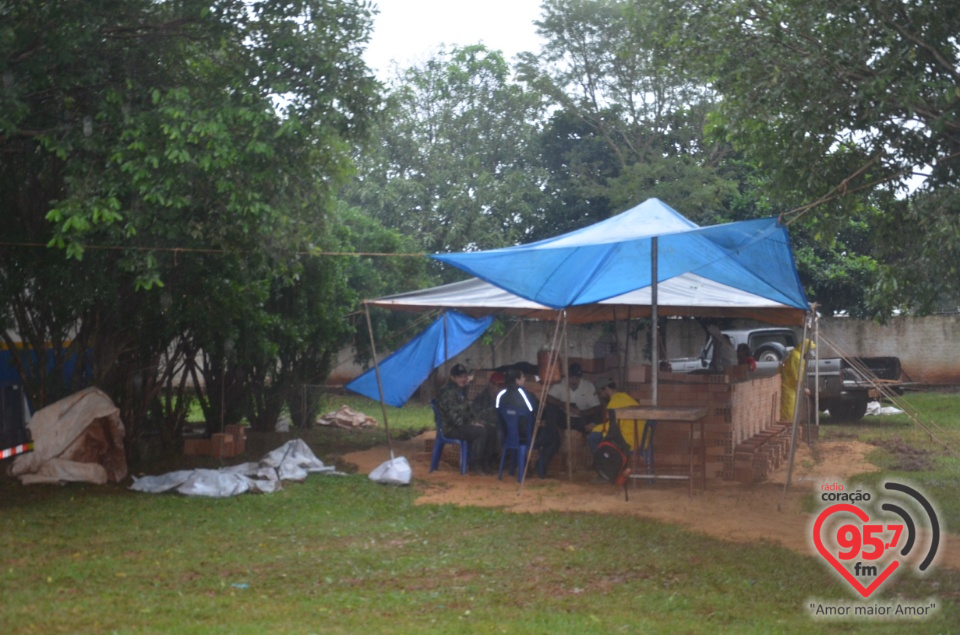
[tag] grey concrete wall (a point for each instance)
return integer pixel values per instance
(928, 348)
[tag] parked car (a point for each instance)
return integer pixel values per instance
(769, 345)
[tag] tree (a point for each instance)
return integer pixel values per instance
(630, 122)
(454, 166)
(183, 155)
(379, 274)
(579, 163)
(843, 101)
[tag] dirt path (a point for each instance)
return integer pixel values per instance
(727, 510)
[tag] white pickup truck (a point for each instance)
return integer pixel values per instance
(844, 390)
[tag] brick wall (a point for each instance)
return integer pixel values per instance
(741, 410)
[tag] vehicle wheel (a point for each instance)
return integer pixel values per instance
(850, 411)
(768, 355)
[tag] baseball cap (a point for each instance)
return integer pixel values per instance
(458, 370)
(576, 370)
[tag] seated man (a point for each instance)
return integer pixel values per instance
(461, 422)
(484, 404)
(547, 439)
(615, 399)
(585, 408)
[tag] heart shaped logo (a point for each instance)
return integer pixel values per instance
(854, 541)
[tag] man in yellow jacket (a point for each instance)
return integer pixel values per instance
(794, 365)
(615, 399)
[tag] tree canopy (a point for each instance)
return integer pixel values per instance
(455, 164)
(181, 160)
(855, 104)
(628, 123)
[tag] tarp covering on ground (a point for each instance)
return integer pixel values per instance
(79, 438)
(347, 417)
(402, 372)
(613, 257)
(293, 461)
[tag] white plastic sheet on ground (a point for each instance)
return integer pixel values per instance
(293, 461)
(874, 408)
(396, 471)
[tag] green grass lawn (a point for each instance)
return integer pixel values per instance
(908, 453)
(340, 554)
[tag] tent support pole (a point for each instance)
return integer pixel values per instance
(566, 373)
(626, 347)
(816, 358)
(801, 376)
(551, 365)
(655, 340)
(523, 340)
(376, 367)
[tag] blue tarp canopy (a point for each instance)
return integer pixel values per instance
(613, 257)
(403, 371)
(744, 269)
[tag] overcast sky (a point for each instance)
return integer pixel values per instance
(409, 31)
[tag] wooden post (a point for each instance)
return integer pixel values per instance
(376, 367)
(655, 340)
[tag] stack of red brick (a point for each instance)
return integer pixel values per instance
(756, 458)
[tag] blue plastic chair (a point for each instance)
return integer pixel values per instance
(510, 421)
(442, 441)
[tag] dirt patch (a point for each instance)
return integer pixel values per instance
(726, 510)
(906, 457)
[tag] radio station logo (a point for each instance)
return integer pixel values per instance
(866, 541)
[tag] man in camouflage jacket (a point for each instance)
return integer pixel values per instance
(459, 421)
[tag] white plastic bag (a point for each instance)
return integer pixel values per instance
(394, 472)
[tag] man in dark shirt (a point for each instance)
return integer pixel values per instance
(547, 439)
(485, 403)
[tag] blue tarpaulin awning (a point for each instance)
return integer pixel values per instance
(613, 257)
(403, 371)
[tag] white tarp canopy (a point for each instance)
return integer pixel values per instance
(684, 295)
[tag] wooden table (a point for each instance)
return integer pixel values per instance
(689, 416)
